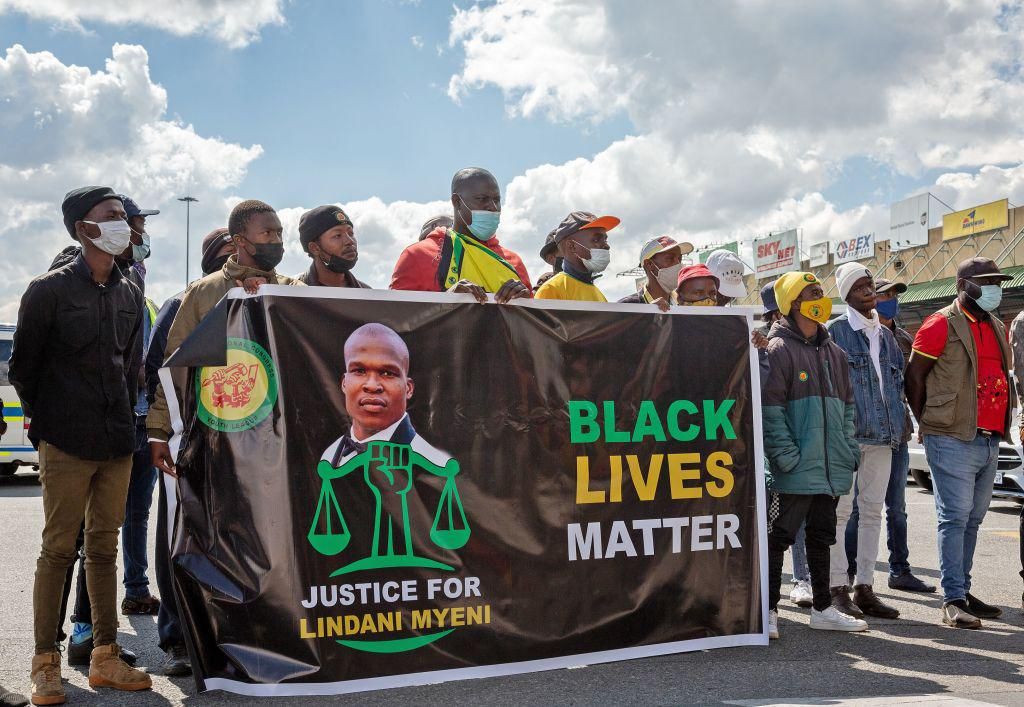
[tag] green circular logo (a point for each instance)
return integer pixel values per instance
(239, 395)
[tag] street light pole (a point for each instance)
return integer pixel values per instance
(188, 204)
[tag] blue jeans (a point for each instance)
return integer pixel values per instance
(895, 518)
(962, 476)
(134, 532)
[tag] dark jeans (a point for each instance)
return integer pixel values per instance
(785, 514)
(135, 530)
(168, 624)
(895, 518)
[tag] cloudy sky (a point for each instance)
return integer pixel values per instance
(708, 121)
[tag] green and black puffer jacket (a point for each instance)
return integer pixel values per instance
(808, 409)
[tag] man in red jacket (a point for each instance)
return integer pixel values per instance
(467, 257)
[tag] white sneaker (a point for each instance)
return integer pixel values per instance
(773, 624)
(832, 619)
(801, 594)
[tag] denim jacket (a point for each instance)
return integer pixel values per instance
(880, 415)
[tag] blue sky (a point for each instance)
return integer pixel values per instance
(765, 117)
(343, 103)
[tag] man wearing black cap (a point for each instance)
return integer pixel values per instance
(582, 241)
(73, 368)
(130, 259)
(327, 236)
(257, 234)
(466, 257)
(958, 385)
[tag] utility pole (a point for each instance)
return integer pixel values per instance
(188, 204)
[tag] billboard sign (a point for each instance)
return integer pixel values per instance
(851, 249)
(819, 254)
(979, 219)
(776, 254)
(732, 247)
(908, 222)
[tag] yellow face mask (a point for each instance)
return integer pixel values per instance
(818, 310)
(706, 302)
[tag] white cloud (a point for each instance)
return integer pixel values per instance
(237, 23)
(66, 126)
(548, 57)
(417, 41)
(382, 230)
(744, 113)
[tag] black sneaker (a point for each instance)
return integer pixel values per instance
(841, 601)
(148, 605)
(982, 610)
(177, 664)
(907, 582)
(80, 654)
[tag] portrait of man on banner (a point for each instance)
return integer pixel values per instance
(383, 444)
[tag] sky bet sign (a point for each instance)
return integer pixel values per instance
(852, 249)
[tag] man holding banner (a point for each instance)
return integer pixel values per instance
(466, 257)
(256, 231)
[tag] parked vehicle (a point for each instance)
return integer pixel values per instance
(15, 448)
(1009, 481)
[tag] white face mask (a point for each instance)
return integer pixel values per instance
(114, 236)
(598, 260)
(667, 277)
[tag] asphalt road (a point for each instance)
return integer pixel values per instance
(913, 659)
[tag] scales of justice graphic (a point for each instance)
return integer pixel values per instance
(388, 469)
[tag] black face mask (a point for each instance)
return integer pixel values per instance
(558, 264)
(338, 264)
(267, 255)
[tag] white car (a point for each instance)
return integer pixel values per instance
(15, 449)
(1009, 470)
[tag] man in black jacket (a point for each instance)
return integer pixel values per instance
(73, 368)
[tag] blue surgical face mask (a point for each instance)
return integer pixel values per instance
(991, 296)
(141, 252)
(889, 308)
(484, 224)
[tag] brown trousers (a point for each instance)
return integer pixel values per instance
(77, 490)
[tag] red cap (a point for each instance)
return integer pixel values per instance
(693, 272)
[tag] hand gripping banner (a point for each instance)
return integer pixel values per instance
(416, 488)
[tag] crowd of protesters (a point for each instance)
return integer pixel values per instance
(837, 397)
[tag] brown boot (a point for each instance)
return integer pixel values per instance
(841, 601)
(106, 669)
(864, 597)
(46, 686)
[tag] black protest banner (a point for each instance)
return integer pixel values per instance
(415, 488)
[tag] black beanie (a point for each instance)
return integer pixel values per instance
(314, 222)
(78, 202)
